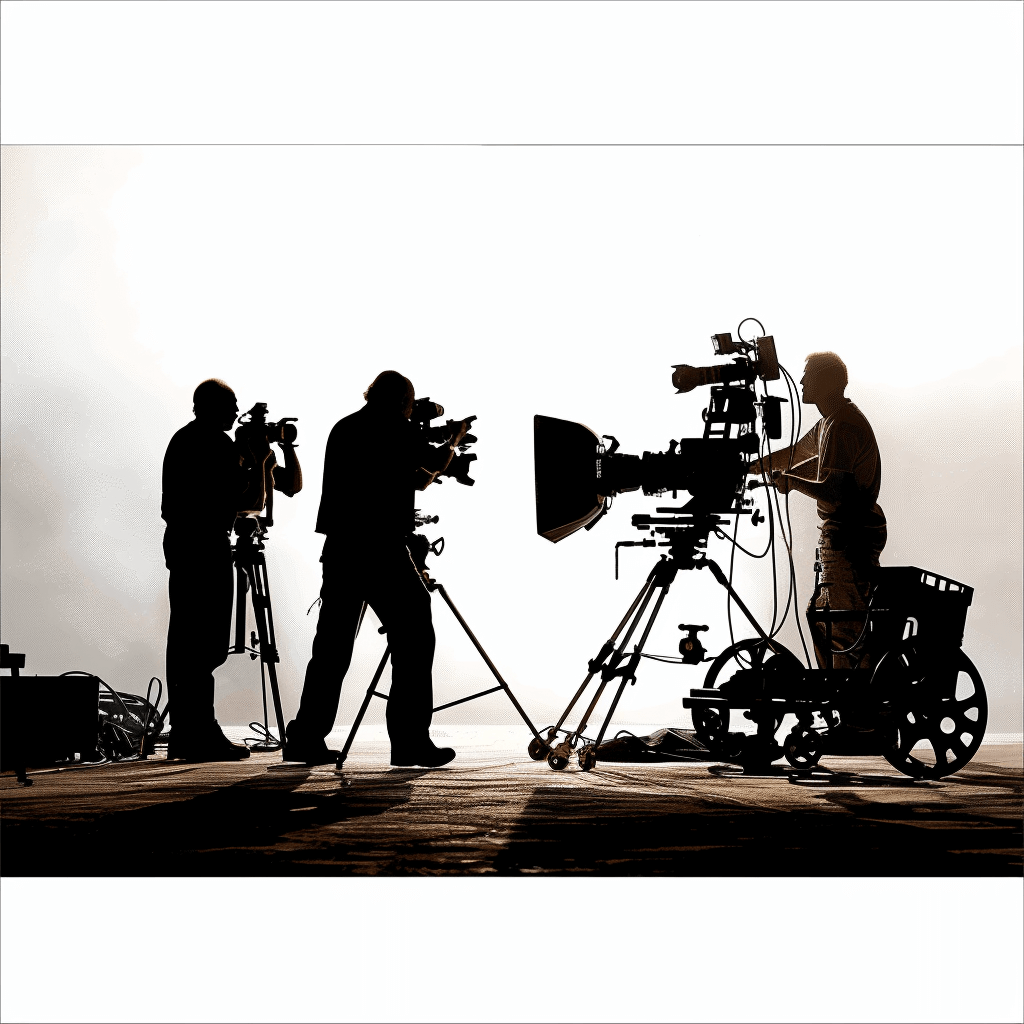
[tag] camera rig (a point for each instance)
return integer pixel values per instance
(423, 411)
(256, 432)
(923, 691)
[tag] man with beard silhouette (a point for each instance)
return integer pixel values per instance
(375, 462)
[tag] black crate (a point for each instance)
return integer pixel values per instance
(909, 601)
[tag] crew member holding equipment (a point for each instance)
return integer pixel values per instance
(837, 463)
(374, 463)
(207, 480)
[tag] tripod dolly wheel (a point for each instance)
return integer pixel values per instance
(538, 749)
(587, 758)
(710, 725)
(802, 747)
(557, 763)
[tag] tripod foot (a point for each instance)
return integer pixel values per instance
(587, 758)
(557, 763)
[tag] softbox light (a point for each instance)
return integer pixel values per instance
(565, 461)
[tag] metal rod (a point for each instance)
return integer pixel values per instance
(241, 585)
(487, 661)
(366, 703)
(265, 626)
(634, 660)
(606, 649)
(616, 654)
(721, 577)
(462, 700)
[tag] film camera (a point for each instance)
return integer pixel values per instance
(423, 411)
(577, 475)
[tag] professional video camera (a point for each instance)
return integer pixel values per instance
(423, 411)
(256, 430)
(577, 475)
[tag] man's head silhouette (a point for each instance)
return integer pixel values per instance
(824, 379)
(390, 391)
(214, 403)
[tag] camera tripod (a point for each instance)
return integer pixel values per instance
(433, 586)
(685, 537)
(251, 576)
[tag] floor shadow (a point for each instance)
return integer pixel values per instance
(235, 830)
(587, 831)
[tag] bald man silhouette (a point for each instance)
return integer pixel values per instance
(836, 463)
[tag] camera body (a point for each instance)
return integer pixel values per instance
(577, 475)
(423, 411)
(258, 430)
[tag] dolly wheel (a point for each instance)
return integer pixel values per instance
(802, 747)
(557, 763)
(587, 758)
(934, 710)
(538, 749)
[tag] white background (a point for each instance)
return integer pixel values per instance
(507, 281)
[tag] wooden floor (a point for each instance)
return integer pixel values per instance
(494, 811)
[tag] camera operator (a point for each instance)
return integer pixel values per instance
(375, 462)
(837, 463)
(207, 480)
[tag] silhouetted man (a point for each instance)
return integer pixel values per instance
(375, 462)
(207, 480)
(837, 463)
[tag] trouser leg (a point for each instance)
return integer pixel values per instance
(402, 603)
(200, 589)
(341, 603)
(846, 585)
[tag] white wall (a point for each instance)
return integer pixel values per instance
(504, 282)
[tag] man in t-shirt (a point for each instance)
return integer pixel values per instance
(837, 463)
(374, 464)
(208, 479)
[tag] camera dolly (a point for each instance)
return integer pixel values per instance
(919, 701)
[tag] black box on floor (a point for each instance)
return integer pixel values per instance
(44, 719)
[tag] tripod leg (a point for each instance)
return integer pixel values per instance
(643, 600)
(634, 660)
(362, 709)
(721, 577)
(241, 586)
(265, 628)
(605, 651)
(487, 661)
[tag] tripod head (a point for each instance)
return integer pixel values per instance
(419, 547)
(251, 532)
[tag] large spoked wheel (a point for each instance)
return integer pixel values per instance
(711, 725)
(753, 653)
(933, 710)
